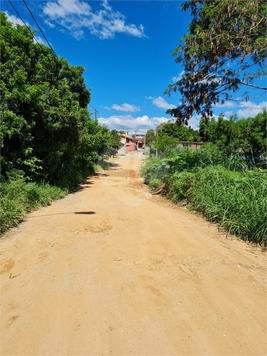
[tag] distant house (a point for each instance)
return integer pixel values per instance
(131, 143)
(139, 141)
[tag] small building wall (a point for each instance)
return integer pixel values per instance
(196, 145)
(130, 146)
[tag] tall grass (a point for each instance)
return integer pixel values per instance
(190, 160)
(220, 187)
(19, 198)
(235, 200)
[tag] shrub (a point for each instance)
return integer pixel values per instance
(221, 188)
(19, 198)
(235, 200)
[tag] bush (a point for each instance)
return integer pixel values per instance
(19, 198)
(179, 186)
(235, 200)
(221, 188)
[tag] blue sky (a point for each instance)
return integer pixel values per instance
(126, 48)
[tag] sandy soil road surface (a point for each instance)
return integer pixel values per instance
(113, 270)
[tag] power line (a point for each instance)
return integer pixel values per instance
(7, 6)
(37, 25)
(33, 37)
(96, 112)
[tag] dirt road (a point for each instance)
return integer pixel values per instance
(113, 270)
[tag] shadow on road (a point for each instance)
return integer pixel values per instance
(71, 212)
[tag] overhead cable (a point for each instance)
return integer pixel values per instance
(38, 25)
(33, 37)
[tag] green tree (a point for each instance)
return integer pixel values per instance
(178, 131)
(46, 129)
(253, 132)
(224, 50)
(247, 136)
(149, 138)
(114, 143)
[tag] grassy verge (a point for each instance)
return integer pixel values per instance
(234, 199)
(19, 198)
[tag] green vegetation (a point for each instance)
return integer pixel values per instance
(19, 198)
(221, 188)
(248, 136)
(168, 135)
(46, 129)
(149, 138)
(47, 134)
(113, 143)
(224, 50)
(179, 132)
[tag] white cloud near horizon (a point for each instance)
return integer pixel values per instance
(160, 102)
(130, 123)
(243, 109)
(77, 15)
(142, 123)
(250, 109)
(124, 107)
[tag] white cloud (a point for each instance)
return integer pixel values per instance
(194, 122)
(244, 109)
(209, 80)
(204, 81)
(62, 8)
(15, 20)
(248, 112)
(251, 109)
(39, 40)
(161, 103)
(128, 122)
(227, 104)
(124, 107)
(228, 113)
(175, 79)
(76, 15)
(50, 24)
(249, 104)
(263, 104)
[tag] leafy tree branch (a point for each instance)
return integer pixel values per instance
(221, 33)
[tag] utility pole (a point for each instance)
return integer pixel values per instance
(95, 114)
(144, 143)
(125, 141)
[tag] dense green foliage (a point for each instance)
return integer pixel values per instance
(248, 136)
(19, 198)
(113, 144)
(222, 188)
(180, 132)
(224, 50)
(149, 138)
(236, 200)
(46, 129)
(47, 135)
(168, 135)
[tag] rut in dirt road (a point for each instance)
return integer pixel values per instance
(113, 270)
